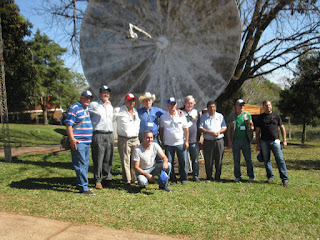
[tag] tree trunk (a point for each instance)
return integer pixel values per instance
(303, 138)
(45, 115)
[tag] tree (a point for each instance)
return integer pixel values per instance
(275, 34)
(302, 99)
(54, 82)
(18, 61)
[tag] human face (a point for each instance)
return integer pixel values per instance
(147, 103)
(189, 104)
(267, 107)
(85, 101)
(130, 103)
(212, 109)
(104, 95)
(240, 108)
(172, 106)
(148, 139)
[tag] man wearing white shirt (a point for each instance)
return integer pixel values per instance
(174, 135)
(144, 161)
(213, 125)
(128, 124)
(101, 113)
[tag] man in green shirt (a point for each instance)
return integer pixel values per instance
(240, 130)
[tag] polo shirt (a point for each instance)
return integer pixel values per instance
(146, 157)
(101, 116)
(192, 120)
(213, 124)
(76, 113)
(150, 119)
(173, 133)
(127, 126)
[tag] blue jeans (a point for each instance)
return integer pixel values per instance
(275, 147)
(182, 159)
(80, 160)
(194, 156)
(155, 170)
(237, 146)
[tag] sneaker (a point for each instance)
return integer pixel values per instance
(183, 182)
(99, 186)
(165, 189)
(269, 180)
(237, 179)
(88, 192)
(209, 179)
(286, 184)
(251, 180)
(196, 180)
(128, 182)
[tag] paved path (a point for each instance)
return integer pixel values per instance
(16, 151)
(18, 227)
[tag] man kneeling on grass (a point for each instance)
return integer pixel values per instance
(145, 165)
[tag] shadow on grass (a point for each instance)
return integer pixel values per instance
(61, 184)
(61, 131)
(303, 164)
(119, 185)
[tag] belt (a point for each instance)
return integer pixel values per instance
(213, 139)
(127, 137)
(100, 132)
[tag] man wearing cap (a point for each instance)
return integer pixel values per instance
(144, 162)
(268, 126)
(174, 135)
(149, 116)
(239, 135)
(128, 124)
(101, 113)
(192, 117)
(213, 126)
(79, 130)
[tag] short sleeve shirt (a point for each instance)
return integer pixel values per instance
(213, 124)
(192, 120)
(75, 115)
(173, 128)
(146, 157)
(150, 119)
(269, 125)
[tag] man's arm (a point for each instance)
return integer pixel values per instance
(139, 170)
(258, 131)
(284, 135)
(186, 138)
(73, 141)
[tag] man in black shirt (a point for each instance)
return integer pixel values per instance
(268, 126)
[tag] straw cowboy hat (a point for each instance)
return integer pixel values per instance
(147, 95)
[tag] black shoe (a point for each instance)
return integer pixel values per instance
(165, 189)
(209, 179)
(106, 183)
(88, 192)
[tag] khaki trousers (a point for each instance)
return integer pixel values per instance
(126, 147)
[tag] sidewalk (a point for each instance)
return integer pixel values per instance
(16, 151)
(16, 227)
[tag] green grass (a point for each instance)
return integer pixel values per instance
(34, 135)
(43, 185)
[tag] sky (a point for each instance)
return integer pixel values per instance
(27, 9)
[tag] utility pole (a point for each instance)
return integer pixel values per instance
(3, 105)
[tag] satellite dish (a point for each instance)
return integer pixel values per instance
(168, 48)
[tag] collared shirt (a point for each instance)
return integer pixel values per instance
(75, 115)
(127, 126)
(101, 116)
(150, 119)
(173, 133)
(146, 157)
(213, 124)
(192, 120)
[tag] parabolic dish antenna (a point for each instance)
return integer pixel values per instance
(169, 48)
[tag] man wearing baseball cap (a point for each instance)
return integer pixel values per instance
(79, 129)
(239, 135)
(101, 113)
(174, 135)
(128, 124)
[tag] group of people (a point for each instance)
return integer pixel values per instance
(143, 133)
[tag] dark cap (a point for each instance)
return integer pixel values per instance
(86, 93)
(104, 87)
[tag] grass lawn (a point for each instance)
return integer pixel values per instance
(43, 185)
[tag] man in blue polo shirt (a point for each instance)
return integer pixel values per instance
(79, 129)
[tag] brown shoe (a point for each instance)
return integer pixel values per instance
(286, 184)
(99, 186)
(269, 180)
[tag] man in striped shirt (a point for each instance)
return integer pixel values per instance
(79, 129)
